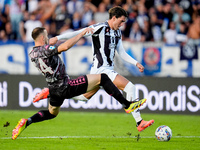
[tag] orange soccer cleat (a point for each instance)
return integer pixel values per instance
(19, 128)
(42, 95)
(144, 124)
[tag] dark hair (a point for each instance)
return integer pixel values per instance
(36, 32)
(117, 12)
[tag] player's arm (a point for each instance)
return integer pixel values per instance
(66, 36)
(69, 35)
(122, 53)
(71, 42)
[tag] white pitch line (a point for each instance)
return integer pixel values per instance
(97, 137)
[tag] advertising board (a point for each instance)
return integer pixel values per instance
(164, 95)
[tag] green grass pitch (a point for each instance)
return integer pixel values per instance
(98, 131)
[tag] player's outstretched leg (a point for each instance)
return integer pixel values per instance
(42, 95)
(19, 128)
(144, 124)
(38, 117)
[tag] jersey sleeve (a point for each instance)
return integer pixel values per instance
(69, 35)
(66, 36)
(122, 53)
(96, 27)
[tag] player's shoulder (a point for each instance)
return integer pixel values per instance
(44, 48)
(99, 25)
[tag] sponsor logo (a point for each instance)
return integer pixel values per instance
(51, 47)
(175, 101)
(151, 56)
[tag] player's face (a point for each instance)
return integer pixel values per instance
(118, 22)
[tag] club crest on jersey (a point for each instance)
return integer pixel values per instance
(51, 47)
(107, 29)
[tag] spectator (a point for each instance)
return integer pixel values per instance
(167, 16)
(186, 5)
(146, 32)
(4, 13)
(76, 21)
(194, 32)
(155, 28)
(180, 16)
(101, 15)
(11, 35)
(15, 16)
(129, 6)
(32, 5)
(159, 14)
(181, 36)
(29, 25)
(74, 6)
(45, 11)
(136, 33)
(94, 2)
(196, 8)
(117, 3)
(88, 12)
(66, 27)
(170, 34)
(108, 4)
(22, 30)
(149, 4)
(142, 15)
(3, 36)
(60, 15)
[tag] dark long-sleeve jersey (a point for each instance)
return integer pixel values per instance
(46, 59)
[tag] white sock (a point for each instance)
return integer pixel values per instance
(130, 96)
(80, 98)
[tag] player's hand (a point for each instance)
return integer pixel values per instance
(88, 31)
(53, 40)
(140, 67)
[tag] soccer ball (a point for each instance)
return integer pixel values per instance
(163, 133)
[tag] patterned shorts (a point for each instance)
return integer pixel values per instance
(75, 87)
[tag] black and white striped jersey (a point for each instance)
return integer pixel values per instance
(104, 44)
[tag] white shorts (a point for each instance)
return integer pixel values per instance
(107, 70)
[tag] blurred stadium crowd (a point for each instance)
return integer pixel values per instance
(171, 21)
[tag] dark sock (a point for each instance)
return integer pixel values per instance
(138, 123)
(40, 116)
(112, 90)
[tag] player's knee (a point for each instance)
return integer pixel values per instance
(53, 111)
